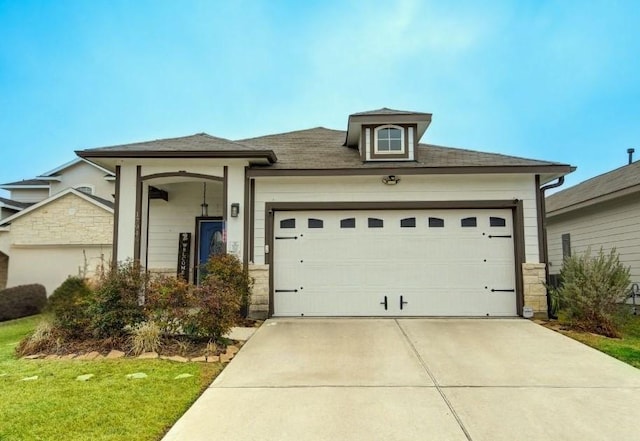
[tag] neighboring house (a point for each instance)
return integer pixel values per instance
(367, 222)
(602, 212)
(56, 225)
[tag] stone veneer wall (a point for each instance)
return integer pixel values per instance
(4, 267)
(535, 290)
(260, 293)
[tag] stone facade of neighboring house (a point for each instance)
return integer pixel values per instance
(55, 225)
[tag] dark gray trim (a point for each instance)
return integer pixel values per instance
(225, 199)
(181, 174)
(519, 253)
(542, 254)
(231, 154)
(252, 216)
(514, 204)
(246, 223)
(116, 220)
(410, 170)
(138, 220)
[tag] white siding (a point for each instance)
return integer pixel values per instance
(168, 219)
(614, 224)
(411, 188)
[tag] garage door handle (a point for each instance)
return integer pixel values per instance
(286, 290)
(286, 237)
(402, 303)
(503, 290)
(384, 303)
(505, 236)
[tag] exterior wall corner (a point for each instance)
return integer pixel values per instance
(259, 307)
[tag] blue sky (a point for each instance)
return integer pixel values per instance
(553, 80)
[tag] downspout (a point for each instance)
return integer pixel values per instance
(545, 252)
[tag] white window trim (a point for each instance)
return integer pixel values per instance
(402, 150)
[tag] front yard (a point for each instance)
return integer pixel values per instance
(626, 348)
(44, 400)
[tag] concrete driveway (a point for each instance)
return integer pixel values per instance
(415, 379)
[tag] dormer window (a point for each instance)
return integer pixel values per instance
(389, 139)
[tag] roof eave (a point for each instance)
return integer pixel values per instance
(594, 201)
(269, 155)
(550, 170)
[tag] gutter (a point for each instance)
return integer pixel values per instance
(545, 250)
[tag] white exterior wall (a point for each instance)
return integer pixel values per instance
(411, 188)
(168, 219)
(608, 225)
(235, 225)
(83, 174)
(127, 213)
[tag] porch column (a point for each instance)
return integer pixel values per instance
(126, 209)
(235, 195)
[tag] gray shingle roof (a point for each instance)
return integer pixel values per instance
(15, 203)
(321, 148)
(105, 202)
(591, 189)
(197, 142)
(29, 182)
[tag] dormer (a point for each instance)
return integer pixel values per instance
(386, 134)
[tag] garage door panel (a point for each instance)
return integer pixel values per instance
(439, 267)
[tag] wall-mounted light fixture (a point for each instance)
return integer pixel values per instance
(391, 180)
(235, 209)
(204, 205)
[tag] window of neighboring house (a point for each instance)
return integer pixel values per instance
(566, 245)
(85, 189)
(389, 139)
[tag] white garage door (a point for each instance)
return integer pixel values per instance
(397, 263)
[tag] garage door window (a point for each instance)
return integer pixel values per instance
(348, 223)
(497, 222)
(409, 222)
(315, 223)
(436, 222)
(469, 222)
(375, 223)
(288, 223)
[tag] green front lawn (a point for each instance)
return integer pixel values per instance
(56, 406)
(626, 348)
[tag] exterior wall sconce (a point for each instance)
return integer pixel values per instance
(391, 180)
(235, 209)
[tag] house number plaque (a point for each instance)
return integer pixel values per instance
(184, 255)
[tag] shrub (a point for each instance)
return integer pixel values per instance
(45, 338)
(145, 337)
(118, 300)
(22, 301)
(230, 272)
(592, 289)
(167, 302)
(217, 308)
(69, 304)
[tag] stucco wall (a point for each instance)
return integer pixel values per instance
(608, 225)
(32, 195)
(83, 174)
